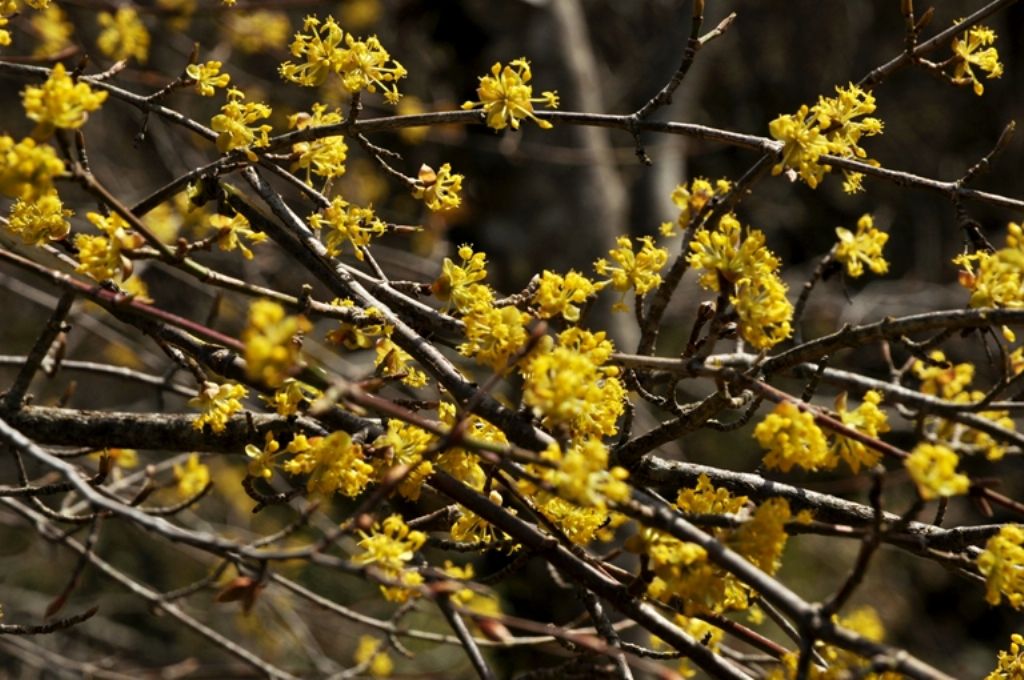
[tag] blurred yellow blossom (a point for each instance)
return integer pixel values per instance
(192, 477)
(60, 102)
(272, 341)
(933, 469)
(791, 437)
(1002, 565)
(123, 36)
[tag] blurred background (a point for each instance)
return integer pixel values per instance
(538, 200)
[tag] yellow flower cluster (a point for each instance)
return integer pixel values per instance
(493, 334)
(102, 257)
(344, 222)
(290, 397)
(791, 437)
(362, 64)
(842, 663)
(636, 270)
(569, 387)
(53, 29)
(335, 464)
(462, 463)
(951, 382)
(355, 336)
(682, 571)
(256, 31)
(440, 189)
(371, 655)
(233, 125)
(867, 419)
(27, 169)
(972, 49)
(1010, 664)
(393, 361)
(60, 102)
(933, 469)
(474, 529)
(219, 403)
(581, 474)
(231, 230)
(40, 220)
(750, 271)
(1002, 565)
(862, 248)
(996, 279)
(559, 295)
(389, 546)
(323, 156)
(404, 444)
(459, 286)
(691, 200)
(207, 77)
(828, 127)
(123, 36)
(506, 97)
(192, 477)
(272, 343)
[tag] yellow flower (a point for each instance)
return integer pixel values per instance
(439, 190)
(290, 396)
(356, 336)
(458, 285)
(933, 469)
(568, 386)
(345, 222)
(261, 461)
(862, 248)
(996, 279)
(943, 378)
(706, 499)
(967, 52)
(60, 102)
(233, 122)
(53, 29)
(102, 257)
(404, 444)
(506, 98)
(231, 230)
(762, 538)
(323, 156)
(635, 271)
(123, 35)
(27, 169)
(40, 220)
(362, 64)
(218, 403)
(1002, 565)
(1010, 665)
(392, 360)
(272, 342)
(207, 77)
(867, 419)
(370, 654)
(256, 31)
(744, 264)
(192, 477)
(791, 437)
(833, 126)
(334, 464)
(559, 295)
(691, 200)
(389, 545)
(493, 334)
